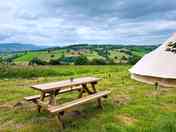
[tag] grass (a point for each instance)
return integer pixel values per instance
(24, 59)
(91, 54)
(131, 107)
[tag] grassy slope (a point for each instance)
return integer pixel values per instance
(118, 55)
(40, 54)
(90, 54)
(131, 107)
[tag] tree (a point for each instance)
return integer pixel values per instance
(116, 57)
(98, 62)
(133, 59)
(1, 60)
(37, 61)
(52, 55)
(55, 61)
(8, 61)
(81, 60)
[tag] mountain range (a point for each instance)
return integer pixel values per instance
(15, 47)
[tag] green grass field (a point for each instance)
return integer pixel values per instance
(108, 53)
(131, 107)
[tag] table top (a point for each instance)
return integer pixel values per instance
(65, 83)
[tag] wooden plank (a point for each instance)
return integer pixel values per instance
(70, 89)
(35, 97)
(99, 99)
(66, 83)
(44, 105)
(60, 121)
(86, 89)
(62, 107)
(42, 97)
(52, 98)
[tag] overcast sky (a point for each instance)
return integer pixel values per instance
(61, 22)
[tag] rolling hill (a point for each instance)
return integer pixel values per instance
(102, 53)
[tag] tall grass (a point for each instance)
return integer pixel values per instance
(44, 71)
(30, 72)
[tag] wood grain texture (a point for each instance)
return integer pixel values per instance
(62, 107)
(65, 83)
(35, 97)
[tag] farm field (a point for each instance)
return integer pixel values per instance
(131, 107)
(89, 54)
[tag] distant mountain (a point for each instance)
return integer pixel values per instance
(14, 47)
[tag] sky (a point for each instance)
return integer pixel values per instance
(63, 22)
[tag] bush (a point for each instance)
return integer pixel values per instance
(8, 60)
(124, 58)
(37, 61)
(52, 55)
(55, 61)
(133, 59)
(1, 60)
(81, 60)
(98, 62)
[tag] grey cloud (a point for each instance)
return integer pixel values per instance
(87, 21)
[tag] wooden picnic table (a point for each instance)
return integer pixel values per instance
(52, 89)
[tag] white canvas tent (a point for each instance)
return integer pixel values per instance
(159, 66)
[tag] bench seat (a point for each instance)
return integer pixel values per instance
(65, 106)
(35, 97)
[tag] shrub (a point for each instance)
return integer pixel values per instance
(55, 61)
(8, 60)
(37, 61)
(98, 62)
(1, 60)
(52, 55)
(81, 60)
(133, 59)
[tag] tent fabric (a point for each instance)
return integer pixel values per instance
(153, 80)
(157, 65)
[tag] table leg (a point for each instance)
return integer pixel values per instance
(86, 89)
(41, 99)
(99, 99)
(60, 120)
(52, 98)
(81, 93)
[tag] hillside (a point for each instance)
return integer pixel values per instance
(14, 47)
(90, 54)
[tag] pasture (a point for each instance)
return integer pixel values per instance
(131, 107)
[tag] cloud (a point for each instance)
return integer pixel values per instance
(60, 22)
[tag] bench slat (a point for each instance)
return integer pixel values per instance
(35, 97)
(67, 105)
(30, 98)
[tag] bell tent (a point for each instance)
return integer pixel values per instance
(158, 66)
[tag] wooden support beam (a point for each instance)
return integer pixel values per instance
(81, 93)
(42, 97)
(86, 89)
(52, 98)
(99, 104)
(60, 120)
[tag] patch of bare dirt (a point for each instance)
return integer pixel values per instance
(159, 92)
(6, 106)
(126, 119)
(11, 124)
(168, 107)
(120, 99)
(151, 94)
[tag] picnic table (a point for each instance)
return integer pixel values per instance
(51, 90)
